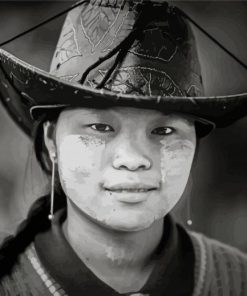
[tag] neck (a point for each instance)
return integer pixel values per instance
(116, 248)
(109, 252)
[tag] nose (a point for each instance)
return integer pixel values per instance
(130, 157)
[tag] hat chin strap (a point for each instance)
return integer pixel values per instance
(182, 13)
(43, 22)
(232, 55)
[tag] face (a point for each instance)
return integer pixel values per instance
(124, 167)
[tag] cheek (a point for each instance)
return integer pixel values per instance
(79, 160)
(176, 160)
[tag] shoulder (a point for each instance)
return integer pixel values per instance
(218, 250)
(220, 269)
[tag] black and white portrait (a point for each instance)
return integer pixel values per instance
(123, 164)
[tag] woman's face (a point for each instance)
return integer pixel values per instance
(124, 167)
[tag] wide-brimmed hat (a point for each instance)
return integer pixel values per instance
(118, 53)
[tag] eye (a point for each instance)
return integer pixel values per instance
(162, 131)
(101, 127)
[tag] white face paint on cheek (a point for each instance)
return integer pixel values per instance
(175, 157)
(80, 160)
(176, 160)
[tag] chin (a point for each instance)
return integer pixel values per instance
(130, 224)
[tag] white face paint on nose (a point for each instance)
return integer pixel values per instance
(130, 156)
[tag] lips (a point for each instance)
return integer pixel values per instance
(130, 188)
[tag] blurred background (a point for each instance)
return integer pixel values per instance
(216, 195)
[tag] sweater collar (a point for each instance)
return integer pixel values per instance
(63, 264)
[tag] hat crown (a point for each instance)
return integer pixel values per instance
(153, 52)
(161, 59)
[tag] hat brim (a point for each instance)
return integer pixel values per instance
(27, 92)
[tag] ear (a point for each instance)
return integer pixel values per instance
(49, 139)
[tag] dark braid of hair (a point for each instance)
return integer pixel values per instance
(37, 218)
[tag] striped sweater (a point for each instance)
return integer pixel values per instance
(220, 270)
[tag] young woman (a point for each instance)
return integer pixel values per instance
(119, 159)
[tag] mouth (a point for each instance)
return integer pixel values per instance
(131, 196)
(130, 193)
(130, 190)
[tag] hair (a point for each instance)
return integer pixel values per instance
(37, 218)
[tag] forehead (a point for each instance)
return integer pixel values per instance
(124, 114)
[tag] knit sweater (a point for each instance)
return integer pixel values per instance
(219, 270)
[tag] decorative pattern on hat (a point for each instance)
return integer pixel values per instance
(138, 53)
(161, 61)
(147, 81)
